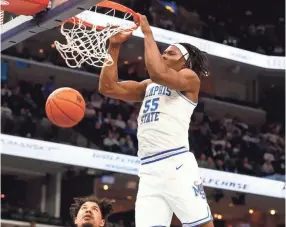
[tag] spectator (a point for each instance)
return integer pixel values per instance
(132, 122)
(6, 112)
(268, 157)
(211, 164)
(119, 122)
(30, 102)
(49, 86)
(90, 111)
(108, 142)
(219, 164)
(45, 129)
(267, 168)
(130, 129)
(202, 162)
(108, 119)
(15, 101)
(5, 91)
(127, 145)
(247, 168)
(96, 101)
(236, 150)
(111, 143)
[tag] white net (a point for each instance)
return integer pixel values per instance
(85, 42)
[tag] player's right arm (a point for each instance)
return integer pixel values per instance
(108, 80)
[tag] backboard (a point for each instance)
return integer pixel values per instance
(16, 28)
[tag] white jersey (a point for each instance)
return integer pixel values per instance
(163, 122)
(166, 163)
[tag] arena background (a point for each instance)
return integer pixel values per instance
(237, 131)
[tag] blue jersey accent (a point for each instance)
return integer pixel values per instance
(163, 155)
(199, 222)
(163, 152)
(149, 112)
(199, 191)
(151, 105)
(158, 90)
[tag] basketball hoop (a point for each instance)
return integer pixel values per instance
(87, 34)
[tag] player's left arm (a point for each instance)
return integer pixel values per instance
(159, 72)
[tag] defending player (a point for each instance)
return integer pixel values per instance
(90, 211)
(169, 174)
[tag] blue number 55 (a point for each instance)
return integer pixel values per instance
(151, 105)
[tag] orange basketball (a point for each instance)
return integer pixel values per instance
(65, 107)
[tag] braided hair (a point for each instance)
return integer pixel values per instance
(197, 60)
(105, 206)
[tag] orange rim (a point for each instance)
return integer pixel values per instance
(111, 5)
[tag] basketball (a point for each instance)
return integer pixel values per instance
(65, 107)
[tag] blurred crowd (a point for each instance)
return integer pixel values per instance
(224, 144)
(134, 70)
(256, 26)
(231, 145)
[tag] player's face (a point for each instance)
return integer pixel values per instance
(89, 215)
(173, 58)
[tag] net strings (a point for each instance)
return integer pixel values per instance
(87, 45)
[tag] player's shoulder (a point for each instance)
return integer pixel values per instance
(189, 73)
(195, 83)
(143, 86)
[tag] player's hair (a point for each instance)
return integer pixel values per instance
(197, 60)
(105, 206)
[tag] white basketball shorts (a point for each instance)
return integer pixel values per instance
(171, 184)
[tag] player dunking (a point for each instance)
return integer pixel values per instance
(169, 174)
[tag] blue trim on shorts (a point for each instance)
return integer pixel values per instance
(162, 152)
(186, 98)
(159, 159)
(201, 221)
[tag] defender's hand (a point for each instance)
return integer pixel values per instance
(144, 24)
(120, 37)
